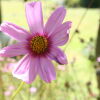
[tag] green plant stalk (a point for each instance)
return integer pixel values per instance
(97, 53)
(29, 94)
(2, 96)
(17, 91)
(0, 13)
(1, 87)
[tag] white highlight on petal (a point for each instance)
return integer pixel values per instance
(2, 51)
(68, 31)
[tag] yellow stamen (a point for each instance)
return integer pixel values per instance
(39, 44)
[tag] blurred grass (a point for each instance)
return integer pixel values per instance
(83, 70)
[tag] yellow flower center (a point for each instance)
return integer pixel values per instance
(39, 44)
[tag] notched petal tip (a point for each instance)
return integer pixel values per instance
(32, 3)
(34, 17)
(29, 3)
(3, 25)
(69, 23)
(62, 60)
(61, 9)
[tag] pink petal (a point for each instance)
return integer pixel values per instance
(55, 20)
(14, 50)
(8, 67)
(46, 70)
(7, 93)
(98, 59)
(26, 69)
(57, 55)
(34, 17)
(61, 67)
(61, 35)
(14, 31)
(33, 90)
(11, 88)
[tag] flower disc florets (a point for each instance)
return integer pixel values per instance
(39, 44)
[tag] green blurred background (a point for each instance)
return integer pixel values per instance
(80, 79)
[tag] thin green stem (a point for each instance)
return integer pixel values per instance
(17, 91)
(29, 94)
(1, 87)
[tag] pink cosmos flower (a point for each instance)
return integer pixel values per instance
(33, 90)
(11, 88)
(98, 59)
(39, 45)
(9, 67)
(7, 93)
(62, 68)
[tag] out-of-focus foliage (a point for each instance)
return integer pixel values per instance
(95, 3)
(98, 42)
(72, 3)
(82, 3)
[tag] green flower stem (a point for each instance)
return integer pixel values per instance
(1, 87)
(17, 91)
